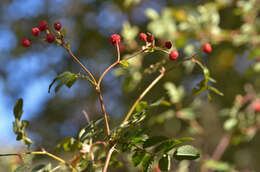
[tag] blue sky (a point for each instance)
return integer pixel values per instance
(25, 70)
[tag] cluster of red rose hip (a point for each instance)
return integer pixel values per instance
(42, 27)
(114, 39)
(173, 55)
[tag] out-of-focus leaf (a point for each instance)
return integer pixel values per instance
(230, 124)
(175, 93)
(18, 109)
(21, 168)
(217, 166)
(129, 32)
(152, 14)
(187, 113)
(154, 140)
(186, 152)
(137, 157)
(165, 163)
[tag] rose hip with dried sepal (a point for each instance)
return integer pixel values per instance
(168, 44)
(50, 38)
(43, 25)
(57, 26)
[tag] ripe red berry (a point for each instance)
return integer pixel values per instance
(50, 38)
(26, 42)
(35, 31)
(43, 25)
(207, 48)
(57, 26)
(150, 38)
(143, 36)
(257, 107)
(173, 55)
(168, 44)
(114, 39)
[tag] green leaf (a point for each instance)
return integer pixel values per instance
(186, 152)
(230, 124)
(167, 146)
(138, 157)
(124, 63)
(66, 78)
(213, 89)
(165, 163)
(142, 105)
(38, 167)
(217, 166)
(18, 109)
(94, 129)
(154, 140)
(185, 139)
(69, 144)
(147, 162)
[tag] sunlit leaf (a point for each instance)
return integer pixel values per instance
(124, 63)
(186, 152)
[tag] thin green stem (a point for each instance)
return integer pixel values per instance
(143, 94)
(116, 63)
(43, 152)
(78, 61)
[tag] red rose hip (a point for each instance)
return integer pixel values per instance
(43, 25)
(50, 38)
(257, 107)
(26, 42)
(57, 26)
(35, 31)
(207, 48)
(173, 55)
(143, 36)
(150, 38)
(114, 39)
(168, 44)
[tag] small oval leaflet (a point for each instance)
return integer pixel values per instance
(186, 152)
